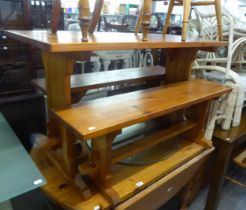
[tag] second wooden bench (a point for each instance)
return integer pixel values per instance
(81, 83)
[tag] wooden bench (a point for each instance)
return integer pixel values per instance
(103, 119)
(81, 83)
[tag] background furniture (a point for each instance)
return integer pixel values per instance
(224, 65)
(25, 113)
(18, 172)
(19, 63)
(108, 56)
(225, 142)
(187, 6)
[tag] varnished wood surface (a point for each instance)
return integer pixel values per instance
(129, 176)
(59, 190)
(162, 190)
(234, 133)
(107, 115)
(68, 41)
(225, 142)
(81, 82)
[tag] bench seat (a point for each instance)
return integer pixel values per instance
(84, 82)
(102, 116)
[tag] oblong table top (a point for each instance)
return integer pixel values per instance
(70, 41)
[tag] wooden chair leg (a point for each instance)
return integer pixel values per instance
(56, 10)
(219, 18)
(96, 15)
(169, 13)
(139, 21)
(84, 18)
(147, 10)
(187, 7)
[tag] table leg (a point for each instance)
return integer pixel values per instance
(224, 151)
(179, 64)
(58, 70)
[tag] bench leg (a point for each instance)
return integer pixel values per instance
(101, 153)
(101, 158)
(76, 97)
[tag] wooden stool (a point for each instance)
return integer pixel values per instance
(187, 6)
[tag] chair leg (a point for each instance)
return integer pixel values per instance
(56, 10)
(147, 10)
(84, 18)
(187, 7)
(137, 27)
(96, 15)
(169, 13)
(219, 18)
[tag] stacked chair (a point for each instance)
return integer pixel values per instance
(144, 18)
(222, 66)
(88, 24)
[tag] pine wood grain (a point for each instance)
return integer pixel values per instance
(67, 41)
(103, 116)
(59, 190)
(125, 178)
(153, 197)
